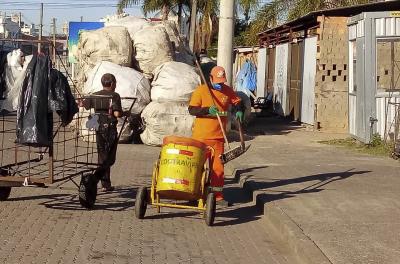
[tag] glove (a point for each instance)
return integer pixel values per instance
(213, 110)
(239, 116)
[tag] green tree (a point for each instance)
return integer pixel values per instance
(149, 6)
(280, 11)
(247, 7)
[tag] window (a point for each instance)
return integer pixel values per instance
(388, 65)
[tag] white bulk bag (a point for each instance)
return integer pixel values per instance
(152, 48)
(130, 83)
(111, 44)
(165, 119)
(174, 81)
(132, 24)
(182, 52)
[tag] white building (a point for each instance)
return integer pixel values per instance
(30, 30)
(8, 28)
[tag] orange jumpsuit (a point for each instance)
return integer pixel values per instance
(207, 129)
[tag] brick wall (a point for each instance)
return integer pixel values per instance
(331, 84)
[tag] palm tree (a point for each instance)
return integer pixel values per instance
(207, 11)
(292, 9)
(149, 6)
(247, 7)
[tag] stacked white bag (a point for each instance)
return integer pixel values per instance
(174, 82)
(130, 83)
(181, 52)
(111, 44)
(152, 48)
(165, 119)
(132, 24)
(167, 114)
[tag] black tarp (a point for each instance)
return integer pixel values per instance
(61, 99)
(44, 90)
(3, 65)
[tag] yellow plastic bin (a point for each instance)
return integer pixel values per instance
(181, 167)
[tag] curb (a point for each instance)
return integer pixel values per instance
(284, 229)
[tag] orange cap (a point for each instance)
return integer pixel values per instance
(218, 74)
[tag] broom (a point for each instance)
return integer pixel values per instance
(230, 154)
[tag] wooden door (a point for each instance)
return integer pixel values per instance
(295, 81)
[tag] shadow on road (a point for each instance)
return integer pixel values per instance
(120, 199)
(242, 211)
(271, 125)
(319, 181)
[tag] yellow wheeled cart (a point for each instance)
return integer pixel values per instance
(180, 174)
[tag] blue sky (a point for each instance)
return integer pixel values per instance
(63, 10)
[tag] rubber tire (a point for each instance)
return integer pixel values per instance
(141, 202)
(4, 193)
(209, 214)
(88, 191)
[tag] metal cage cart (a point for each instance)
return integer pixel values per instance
(71, 153)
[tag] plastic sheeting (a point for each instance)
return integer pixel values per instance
(174, 81)
(164, 119)
(152, 48)
(130, 83)
(60, 97)
(12, 93)
(13, 69)
(34, 123)
(3, 65)
(247, 78)
(44, 90)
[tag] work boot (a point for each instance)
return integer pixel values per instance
(223, 203)
(108, 189)
(220, 201)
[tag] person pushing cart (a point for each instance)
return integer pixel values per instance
(206, 104)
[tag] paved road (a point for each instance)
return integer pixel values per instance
(49, 226)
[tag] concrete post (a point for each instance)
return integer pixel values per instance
(225, 37)
(40, 29)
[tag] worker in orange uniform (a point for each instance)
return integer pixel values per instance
(206, 126)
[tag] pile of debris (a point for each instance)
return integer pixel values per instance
(150, 62)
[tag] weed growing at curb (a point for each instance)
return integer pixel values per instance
(377, 147)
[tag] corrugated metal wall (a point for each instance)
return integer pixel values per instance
(281, 98)
(352, 114)
(308, 86)
(386, 114)
(389, 26)
(262, 73)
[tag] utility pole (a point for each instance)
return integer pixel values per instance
(54, 41)
(225, 37)
(40, 29)
(193, 19)
(20, 19)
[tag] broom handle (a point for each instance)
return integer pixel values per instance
(241, 135)
(212, 98)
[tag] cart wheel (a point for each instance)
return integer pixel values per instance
(209, 214)
(88, 191)
(4, 193)
(141, 203)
